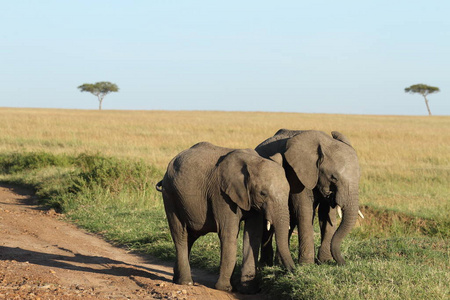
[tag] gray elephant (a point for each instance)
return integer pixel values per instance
(322, 171)
(208, 188)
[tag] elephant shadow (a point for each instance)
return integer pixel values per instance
(82, 263)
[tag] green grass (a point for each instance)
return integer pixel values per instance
(394, 268)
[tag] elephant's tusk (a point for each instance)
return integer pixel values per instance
(360, 214)
(339, 211)
(268, 225)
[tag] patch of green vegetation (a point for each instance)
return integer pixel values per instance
(415, 190)
(382, 223)
(395, 268)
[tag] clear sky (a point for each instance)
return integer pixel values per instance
(293, 56)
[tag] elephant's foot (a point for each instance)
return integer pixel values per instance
(249, 285)
(183, 280)
(186, 282)
(224, 285)
(278, 261)
(303, 260)
(324, 255)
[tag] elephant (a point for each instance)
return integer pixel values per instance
(322, 171)
(208, 188)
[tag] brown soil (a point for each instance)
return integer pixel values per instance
(43, 257)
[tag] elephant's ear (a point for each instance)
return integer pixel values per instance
(340, 137)
(304, 155)
(234, 179)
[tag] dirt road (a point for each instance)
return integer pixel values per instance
(42, 257)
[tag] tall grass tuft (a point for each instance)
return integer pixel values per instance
(16, 162)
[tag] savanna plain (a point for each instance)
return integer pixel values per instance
(99, 168)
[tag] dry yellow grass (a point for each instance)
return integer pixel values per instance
(405, 160)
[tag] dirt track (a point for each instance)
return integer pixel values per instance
(42, 257)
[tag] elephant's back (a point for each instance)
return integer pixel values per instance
(192, 167)
(202, 157)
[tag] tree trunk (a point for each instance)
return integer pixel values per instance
(100, 100)
(428, 107)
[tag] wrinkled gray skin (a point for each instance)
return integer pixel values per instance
(322, 171)
(211, 189)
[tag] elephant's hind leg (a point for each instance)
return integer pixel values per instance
(182, 269)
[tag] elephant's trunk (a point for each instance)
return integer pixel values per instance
(281, 228)
(349, 216)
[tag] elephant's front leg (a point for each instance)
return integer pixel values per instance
(304, 210)
(251, 244)
(327, 221)
(228, 246)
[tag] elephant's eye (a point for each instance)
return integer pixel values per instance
(263, 193)
(333, 178)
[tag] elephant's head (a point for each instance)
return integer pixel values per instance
(329, 165)
(253, 182)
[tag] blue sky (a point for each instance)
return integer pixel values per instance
(292, 56)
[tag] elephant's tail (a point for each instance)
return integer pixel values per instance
(159, 186)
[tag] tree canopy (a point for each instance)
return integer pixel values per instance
(424, 90)
(99, 89)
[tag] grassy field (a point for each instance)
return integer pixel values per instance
(405, 161)
(99, 167)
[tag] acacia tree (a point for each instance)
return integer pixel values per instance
(99, 89)
(424, 90)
